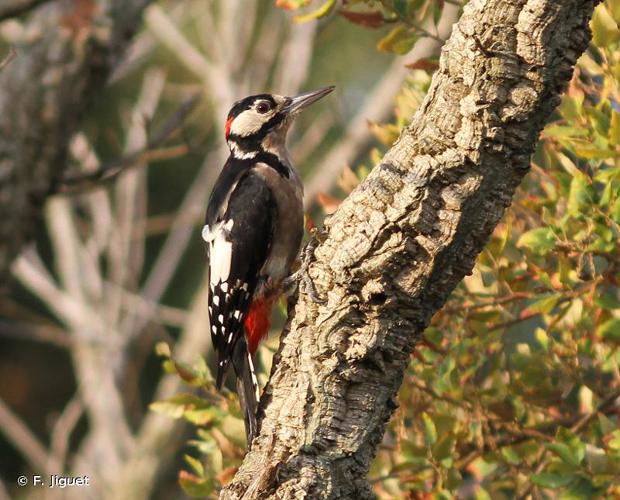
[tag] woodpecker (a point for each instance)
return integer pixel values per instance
(253, 230)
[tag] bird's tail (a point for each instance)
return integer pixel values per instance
(247, 387)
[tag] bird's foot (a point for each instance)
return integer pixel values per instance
(291, 284)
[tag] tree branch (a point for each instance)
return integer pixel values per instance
(77, 183)
(17, 433)
(402, 241)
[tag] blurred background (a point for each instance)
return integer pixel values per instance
(104, 344)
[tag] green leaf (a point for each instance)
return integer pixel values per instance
(551, 479)
(443, 447)
(546, 304)
(430, 432)
(614, 129)
(597, 460)
(400, 41)
(542, 338)
(614, 442)
(177, 405)
(614, 211)
(510, 455)
(606, 300)
(604, 28)
(580, 196)
(163, 349)
(540, 240)
(571, 107)
(564, 452)
(614, 10)
(322, 11)
(610, 330)
(195, 464)
(592, 153)
(195, 487)
(564, 132)
(607, 425)
(568, 447)
(400, 7)
(291, 4)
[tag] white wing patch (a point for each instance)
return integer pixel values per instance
(220, 251)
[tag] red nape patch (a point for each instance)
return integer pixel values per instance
(228, 124)
(258, 321)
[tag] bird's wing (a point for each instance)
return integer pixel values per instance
(238, 245)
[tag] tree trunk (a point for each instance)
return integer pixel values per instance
(402, 241)
(63, 56)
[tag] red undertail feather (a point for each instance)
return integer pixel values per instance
(258, 321)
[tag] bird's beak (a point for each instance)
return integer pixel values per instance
(302, 101)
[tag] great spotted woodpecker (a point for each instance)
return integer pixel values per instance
(253, 229)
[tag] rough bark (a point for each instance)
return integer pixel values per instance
(402, 241)
(64, 54)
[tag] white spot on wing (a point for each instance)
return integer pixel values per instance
(220, 318)
(237, 314)
(224, 287)
(230, 337)
(216, 300)
(254, 380)
(214, 330)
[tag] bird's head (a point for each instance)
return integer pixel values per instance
(260, 122)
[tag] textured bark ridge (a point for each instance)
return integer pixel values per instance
(62, 58)
(402, 241)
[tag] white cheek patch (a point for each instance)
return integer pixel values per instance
(249, 122)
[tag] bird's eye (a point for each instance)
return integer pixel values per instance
(262, 107)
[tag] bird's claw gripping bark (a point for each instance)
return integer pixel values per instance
(290, 284)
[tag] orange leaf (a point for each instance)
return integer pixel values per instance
(367, 19)
(328, 203)
(424, 64)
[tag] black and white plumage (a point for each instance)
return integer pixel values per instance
(253, 230)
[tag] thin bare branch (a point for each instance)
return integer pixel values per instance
(62, 430)
(9, 57)
(22, 438)
(20, 330)
(110, 170)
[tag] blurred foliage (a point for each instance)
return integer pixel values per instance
(411, 19)
(511, 392)
(220, 437)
